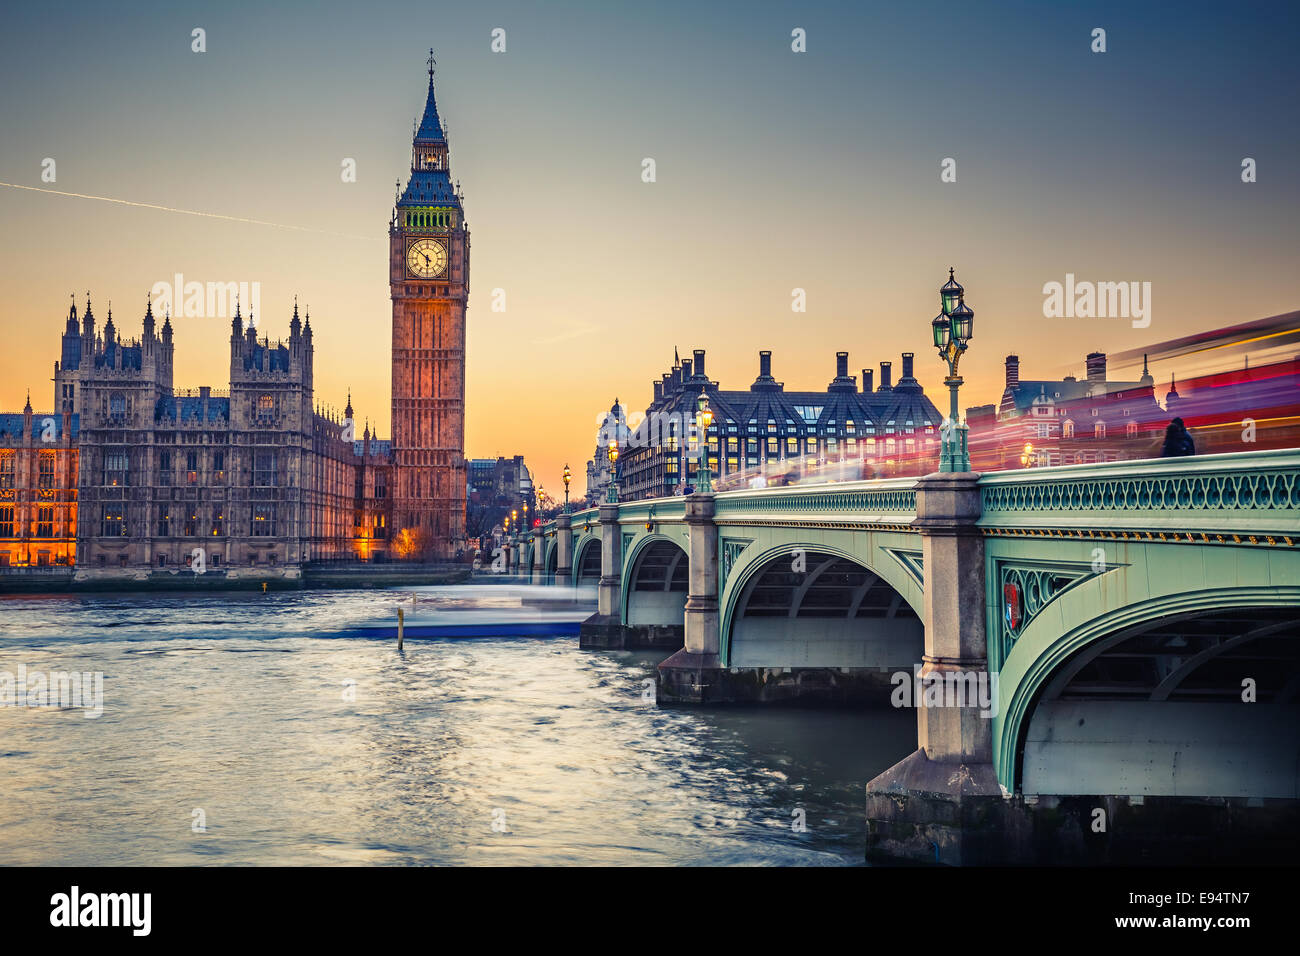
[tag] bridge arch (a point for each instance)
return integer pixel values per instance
(1146, 698)
(552, 559)
(836, 610)
(586, 561)
(655, 580)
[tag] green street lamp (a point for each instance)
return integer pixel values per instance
(703, 419)
(612, 453)
(953, 328)
(568, 477)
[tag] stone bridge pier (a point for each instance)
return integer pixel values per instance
(929, 805)
(564, 549)
(690, 674)
(604, 629)
(539, 558)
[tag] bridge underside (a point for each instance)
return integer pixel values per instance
(586, 570)
(1136, 749)
(815, 627)
(1202, 705)
(656, 596)
(835, 613)
(653, 603)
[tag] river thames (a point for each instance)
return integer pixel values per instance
(260, 729)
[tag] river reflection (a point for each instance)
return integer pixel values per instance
(293, 743)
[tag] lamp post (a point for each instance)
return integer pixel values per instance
(526, 524)
(703, 419)
(952, 329)
(568, 477)
(1027, 456)
(612, 453)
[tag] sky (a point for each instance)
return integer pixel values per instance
(775, 170)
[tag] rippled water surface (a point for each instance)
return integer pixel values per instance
(237, 705)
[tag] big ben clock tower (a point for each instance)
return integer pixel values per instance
(428, 275)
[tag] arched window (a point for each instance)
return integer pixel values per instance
(1067, 428)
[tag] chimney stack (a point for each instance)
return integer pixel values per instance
(1096, 366)
(907, 364)
(1013, 371)
(686, 370)
(699, 361)
(659, 391)
(868, 380)
(842, 381)
(885, 385)
(765, 382)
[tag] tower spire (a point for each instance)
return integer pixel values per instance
(430, 128)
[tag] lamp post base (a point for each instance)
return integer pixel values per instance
(955, 453)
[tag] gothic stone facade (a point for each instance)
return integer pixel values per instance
(38, 488)
(252, 477)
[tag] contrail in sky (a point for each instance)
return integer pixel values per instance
(193, 212)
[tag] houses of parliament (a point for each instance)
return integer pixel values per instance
(129, 472)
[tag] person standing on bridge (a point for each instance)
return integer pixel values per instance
(1178, 441)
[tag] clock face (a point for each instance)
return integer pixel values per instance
(426, 258)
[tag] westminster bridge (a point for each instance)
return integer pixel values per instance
(1118, 638)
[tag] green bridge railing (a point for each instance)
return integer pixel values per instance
(656, 509)
(888, 501)
(1239, 493)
